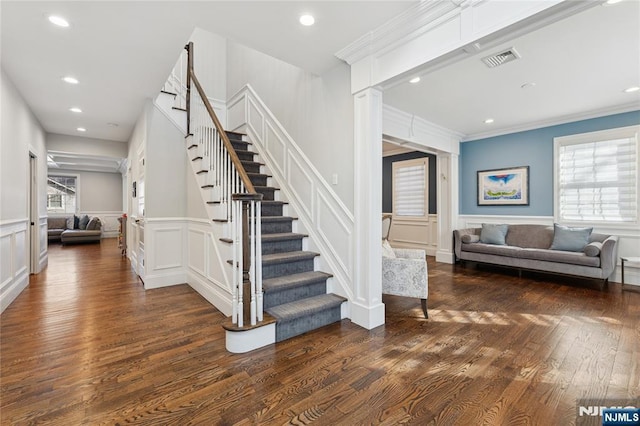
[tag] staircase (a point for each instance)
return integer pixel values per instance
(295, 294)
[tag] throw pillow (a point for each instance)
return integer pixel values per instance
(468, 239)
(593, 249)
(69, 222)
(91, 226)
(493, 233)
(76, 221)
(82, 223)
(387, 250)
(570, 239)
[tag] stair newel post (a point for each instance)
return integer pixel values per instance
(252, 250)
(189, 48)
(258, 263)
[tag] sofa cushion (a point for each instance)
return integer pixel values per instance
(56, 223)
(493, 233)
(76, 222)
(469, 239)
(557, 256)
(82, 223)
(500, 250)
(530, 236)
(593, 249)
(54, 233)
(70, 221)
(94, 223)
(570, 239)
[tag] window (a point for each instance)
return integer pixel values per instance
(596, 176)
(62, 194)
(410, 188)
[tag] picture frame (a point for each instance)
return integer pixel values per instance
(504, 187)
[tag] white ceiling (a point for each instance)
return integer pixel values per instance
(580, 65)
(122, 52)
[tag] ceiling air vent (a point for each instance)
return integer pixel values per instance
(501, 58)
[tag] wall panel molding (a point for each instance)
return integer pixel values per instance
(14, 266)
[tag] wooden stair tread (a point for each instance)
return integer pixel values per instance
(266, 320)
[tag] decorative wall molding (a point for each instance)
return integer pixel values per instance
(14, 260)
(320, 212)
(415, 132)
(415, 234)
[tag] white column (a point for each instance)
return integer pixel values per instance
(447, 205)
(367, 309)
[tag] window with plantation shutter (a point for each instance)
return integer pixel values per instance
(410, 188)
(596, 176)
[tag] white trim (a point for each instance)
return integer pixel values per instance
(15, 261)
(239, 342)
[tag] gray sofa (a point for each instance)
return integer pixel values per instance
(69, 231)
(529, 247)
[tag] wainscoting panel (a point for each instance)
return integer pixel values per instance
(43, 255)
(301, 185)
(417, 234)
(208, 273)
(164, 251)
(321, 214)
(14, 269)
(276, 147)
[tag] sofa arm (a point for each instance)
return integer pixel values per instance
(609, 256)
(457, 238)
(410, 254)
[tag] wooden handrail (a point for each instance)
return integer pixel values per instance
(223, 136)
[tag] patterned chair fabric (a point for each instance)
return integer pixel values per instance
(406, 274)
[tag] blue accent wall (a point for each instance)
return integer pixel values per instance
(533, 148)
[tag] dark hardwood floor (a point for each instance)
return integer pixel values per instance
(85, 344)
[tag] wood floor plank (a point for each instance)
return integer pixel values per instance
(86, 344)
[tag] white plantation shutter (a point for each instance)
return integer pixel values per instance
(597, 176)
(409, 188)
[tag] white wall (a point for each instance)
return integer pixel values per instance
(86, 146)
(21, 133)
(98, 191)
(316, 111)
(210, 62)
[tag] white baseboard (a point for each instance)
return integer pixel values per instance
(368, 317)
(215, 296)
(239, 342)
(13, 290)
(164, 280)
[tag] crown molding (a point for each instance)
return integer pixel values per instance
(411, 23)
(564, 119)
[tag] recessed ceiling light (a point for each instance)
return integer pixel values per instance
(631, 89)
(613, 1)
(70, 80)
(528, 85)
(75, 109)
(57, 20)
(112, 124)
(307, 20)
(414, 80)
(81, 129)
(488, 121)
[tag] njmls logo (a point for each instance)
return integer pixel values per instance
(608, 412)
(594, 410)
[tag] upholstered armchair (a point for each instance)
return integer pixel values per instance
(404, 271)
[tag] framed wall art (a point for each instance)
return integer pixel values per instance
(504, 187)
